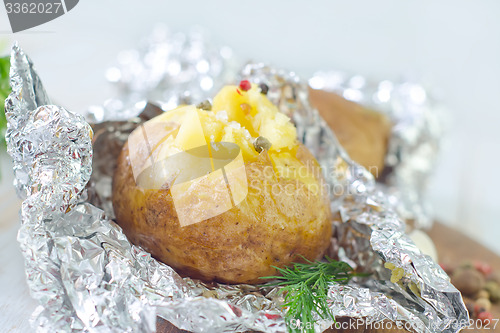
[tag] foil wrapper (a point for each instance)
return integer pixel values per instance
(168, 69)
(415, 138)
(88, 277)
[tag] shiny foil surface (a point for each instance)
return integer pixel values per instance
(87, 276)
(168, 69)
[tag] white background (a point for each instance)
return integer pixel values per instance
(451, 46)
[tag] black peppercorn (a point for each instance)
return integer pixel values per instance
(263, 88)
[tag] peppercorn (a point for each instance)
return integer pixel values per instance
(205, 105)
(495, 295)
(245, 85)
(468, 281)
(246, 108)
(494, 290)
(490, 286)
(477, 310)
(486, 318)
(484, 303)
(261, 143)
(483, 294)
(264, 88)
(483, 268)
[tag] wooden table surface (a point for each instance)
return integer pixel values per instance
(453, 247)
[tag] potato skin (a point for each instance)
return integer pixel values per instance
(270, 227)
(363, 133)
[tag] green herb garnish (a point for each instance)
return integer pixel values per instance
(4, 92)
(306, 286)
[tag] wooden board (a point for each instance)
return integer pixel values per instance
(452, 246)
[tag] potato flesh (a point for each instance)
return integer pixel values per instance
(284, 217)
(228, 122)
(262, 118)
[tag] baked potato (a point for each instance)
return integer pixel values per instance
(227, 218)
(363, 133)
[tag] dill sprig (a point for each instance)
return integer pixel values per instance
(305, 286)
(4, 92)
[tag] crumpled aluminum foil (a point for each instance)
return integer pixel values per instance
(88, 277)
(168, 69)
(415, 139)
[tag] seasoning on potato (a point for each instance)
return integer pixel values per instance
(363, 133)
(201, 192)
